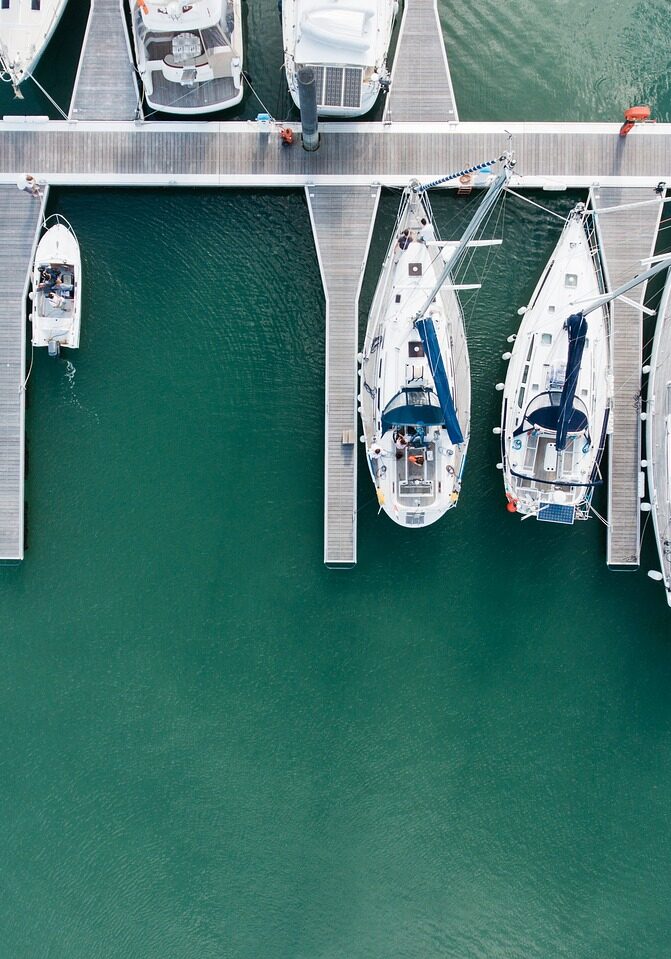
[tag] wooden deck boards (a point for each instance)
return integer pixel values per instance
(105, 87)
(240, 154)
(20, 216)
(626, 237)
(342, 223)
(421, 86)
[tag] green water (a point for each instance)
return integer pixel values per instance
(213, 746)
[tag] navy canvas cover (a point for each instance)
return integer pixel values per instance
(427, 332)
(576, 326)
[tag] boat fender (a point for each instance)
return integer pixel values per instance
(511, 505)
(465, 179)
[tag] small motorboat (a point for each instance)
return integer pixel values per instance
(56, 293)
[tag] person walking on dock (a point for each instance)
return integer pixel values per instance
(29, 184)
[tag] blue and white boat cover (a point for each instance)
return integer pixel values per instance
(427, 332)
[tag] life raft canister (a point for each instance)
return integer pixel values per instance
(633, 116)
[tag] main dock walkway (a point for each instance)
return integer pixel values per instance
(626, 236)
(239, 154)
(20, 218)
(105, 86)
(342, 221)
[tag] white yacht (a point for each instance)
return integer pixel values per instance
(556, 398)
(658, 439)
(345, 43)
(189, 55)
(26, 26)
(415, 391)
(56, 294)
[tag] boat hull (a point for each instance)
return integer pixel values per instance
(25, 34)
(541, 479)
(59, 322)
(416, 468)
(658, 436)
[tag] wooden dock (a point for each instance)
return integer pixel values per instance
(105, 86)
(243, 154)
(20, 219)
(342, 223)
(421, 85)
(626, 237)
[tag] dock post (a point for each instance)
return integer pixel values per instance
(307, 99)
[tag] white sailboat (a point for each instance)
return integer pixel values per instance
(556, 398)
(557, 394)
(56, 294)
(415, 394)
(658, 438)
(346, 44)
(26, 26)
(189, 55)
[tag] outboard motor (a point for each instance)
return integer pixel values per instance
(54, 347)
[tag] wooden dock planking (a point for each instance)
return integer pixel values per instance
(105, 86)
(20, 216)
(241, 155)
(421, 85)
(626, 237)
(342, 222)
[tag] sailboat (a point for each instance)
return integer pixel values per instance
(556, 398)
(57, 294)
(557, 393)
(415, 394)
(658, 438)
(189, 55)
(345, 44)
(26, 26)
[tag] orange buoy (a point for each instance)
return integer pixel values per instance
(143, 6)
(511, 507)
(633, 116)
(287, 136)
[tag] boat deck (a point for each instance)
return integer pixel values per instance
(421, 85)
(626, 237)
(105, 86)
(20, 216)
(342, 222)
(657, 439)
(215, 94)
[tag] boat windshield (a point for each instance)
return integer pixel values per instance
(413, 407)
(543, 413)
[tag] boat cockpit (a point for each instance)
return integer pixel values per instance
(55, 291)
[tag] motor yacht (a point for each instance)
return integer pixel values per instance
(56, 288)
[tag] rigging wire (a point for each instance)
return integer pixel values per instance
(47, 95)
(540, 206)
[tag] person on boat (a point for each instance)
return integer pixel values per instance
(57, 302)
(416, 458)
(50, 278)
(427, 234)
(400, 442)
(405, 239)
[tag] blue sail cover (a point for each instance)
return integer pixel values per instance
(577, 331)
(427, 333)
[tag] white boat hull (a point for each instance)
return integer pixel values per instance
(56, 321)
(541, 480)
(204, 76)
(417, 478)
(345, 44)
(658, 438)
(24, 35)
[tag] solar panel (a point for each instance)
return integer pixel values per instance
(338, 86)
(557, 514)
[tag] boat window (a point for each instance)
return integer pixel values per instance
(551, 309)
(531, 349)
(546, 339)
(35, 5)
(520, 398)
(571, 280)
(5, 5)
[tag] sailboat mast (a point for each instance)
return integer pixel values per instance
(488, 202)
